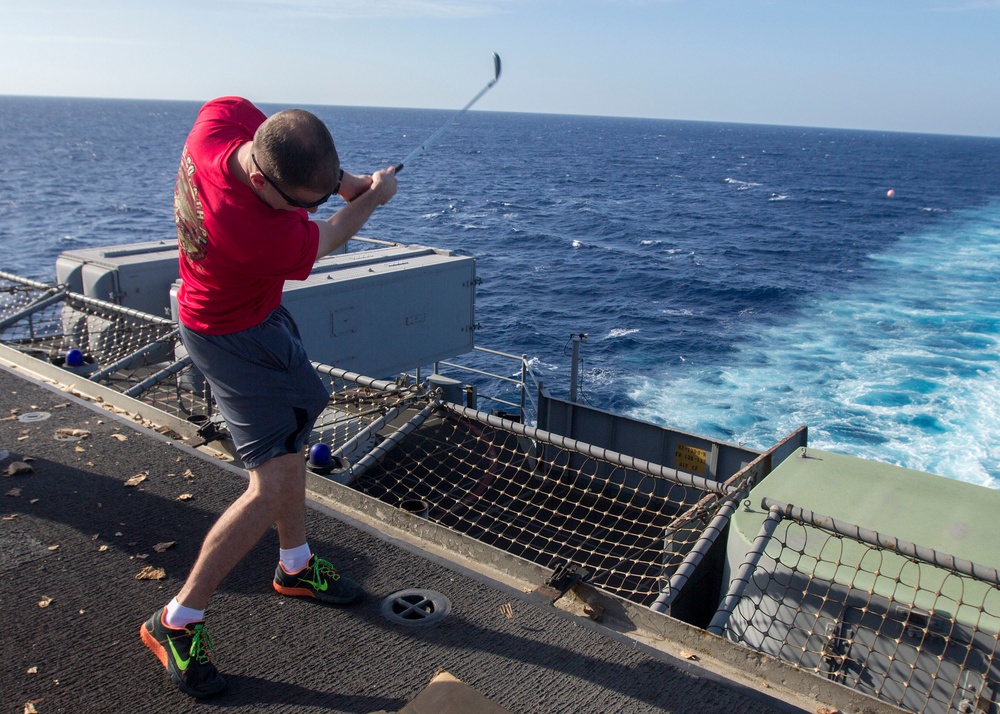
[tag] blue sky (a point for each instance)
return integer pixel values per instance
(900, 65)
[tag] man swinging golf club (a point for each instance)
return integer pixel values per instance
(245, 190)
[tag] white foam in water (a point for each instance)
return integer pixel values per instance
(902, 368)
(538, 366)
(742, 185)
(620, 332)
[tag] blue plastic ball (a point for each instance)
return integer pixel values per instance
(320, 454)
(74, 358)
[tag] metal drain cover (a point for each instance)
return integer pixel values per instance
(416, 607)
(33, 416)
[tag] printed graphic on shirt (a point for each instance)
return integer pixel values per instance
(189, 214)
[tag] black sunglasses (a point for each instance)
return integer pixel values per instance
(295, 202)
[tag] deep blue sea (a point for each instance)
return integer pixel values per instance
(733, 280)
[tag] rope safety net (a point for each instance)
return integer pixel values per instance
(896, 621)
(550, 504)
(123, 349)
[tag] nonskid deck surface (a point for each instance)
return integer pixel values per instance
(74, 536)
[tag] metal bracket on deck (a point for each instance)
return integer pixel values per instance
(564, 576)
(207, 433)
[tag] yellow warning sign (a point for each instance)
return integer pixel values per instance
(691, 459)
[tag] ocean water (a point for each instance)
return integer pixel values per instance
(732, 280)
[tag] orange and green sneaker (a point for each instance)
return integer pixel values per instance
(184, 653)
(319, 580)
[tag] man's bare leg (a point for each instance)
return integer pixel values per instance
(276, 495)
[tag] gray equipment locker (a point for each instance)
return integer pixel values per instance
(137, 275)
(377, 312)
(382, 312)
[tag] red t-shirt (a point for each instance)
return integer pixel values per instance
(236, 252)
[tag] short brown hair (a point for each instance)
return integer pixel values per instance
(297, 151)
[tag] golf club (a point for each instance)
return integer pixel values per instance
(430, 139)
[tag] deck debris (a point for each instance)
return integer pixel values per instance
(18, 468)
(185, 497)
(69, 433)
(45, 601)
(167, 545)
(151, 573)
(137, 479)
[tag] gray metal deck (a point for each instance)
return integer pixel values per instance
(73, 532)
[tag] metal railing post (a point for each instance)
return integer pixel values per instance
(574, 373)
(745, 574)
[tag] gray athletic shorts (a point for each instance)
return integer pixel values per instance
(264, 385)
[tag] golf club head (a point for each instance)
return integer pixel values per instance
(496, 76)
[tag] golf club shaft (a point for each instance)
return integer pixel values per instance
(430, 139)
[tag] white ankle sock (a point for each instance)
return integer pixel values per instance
(294, 559)
(178, 616)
